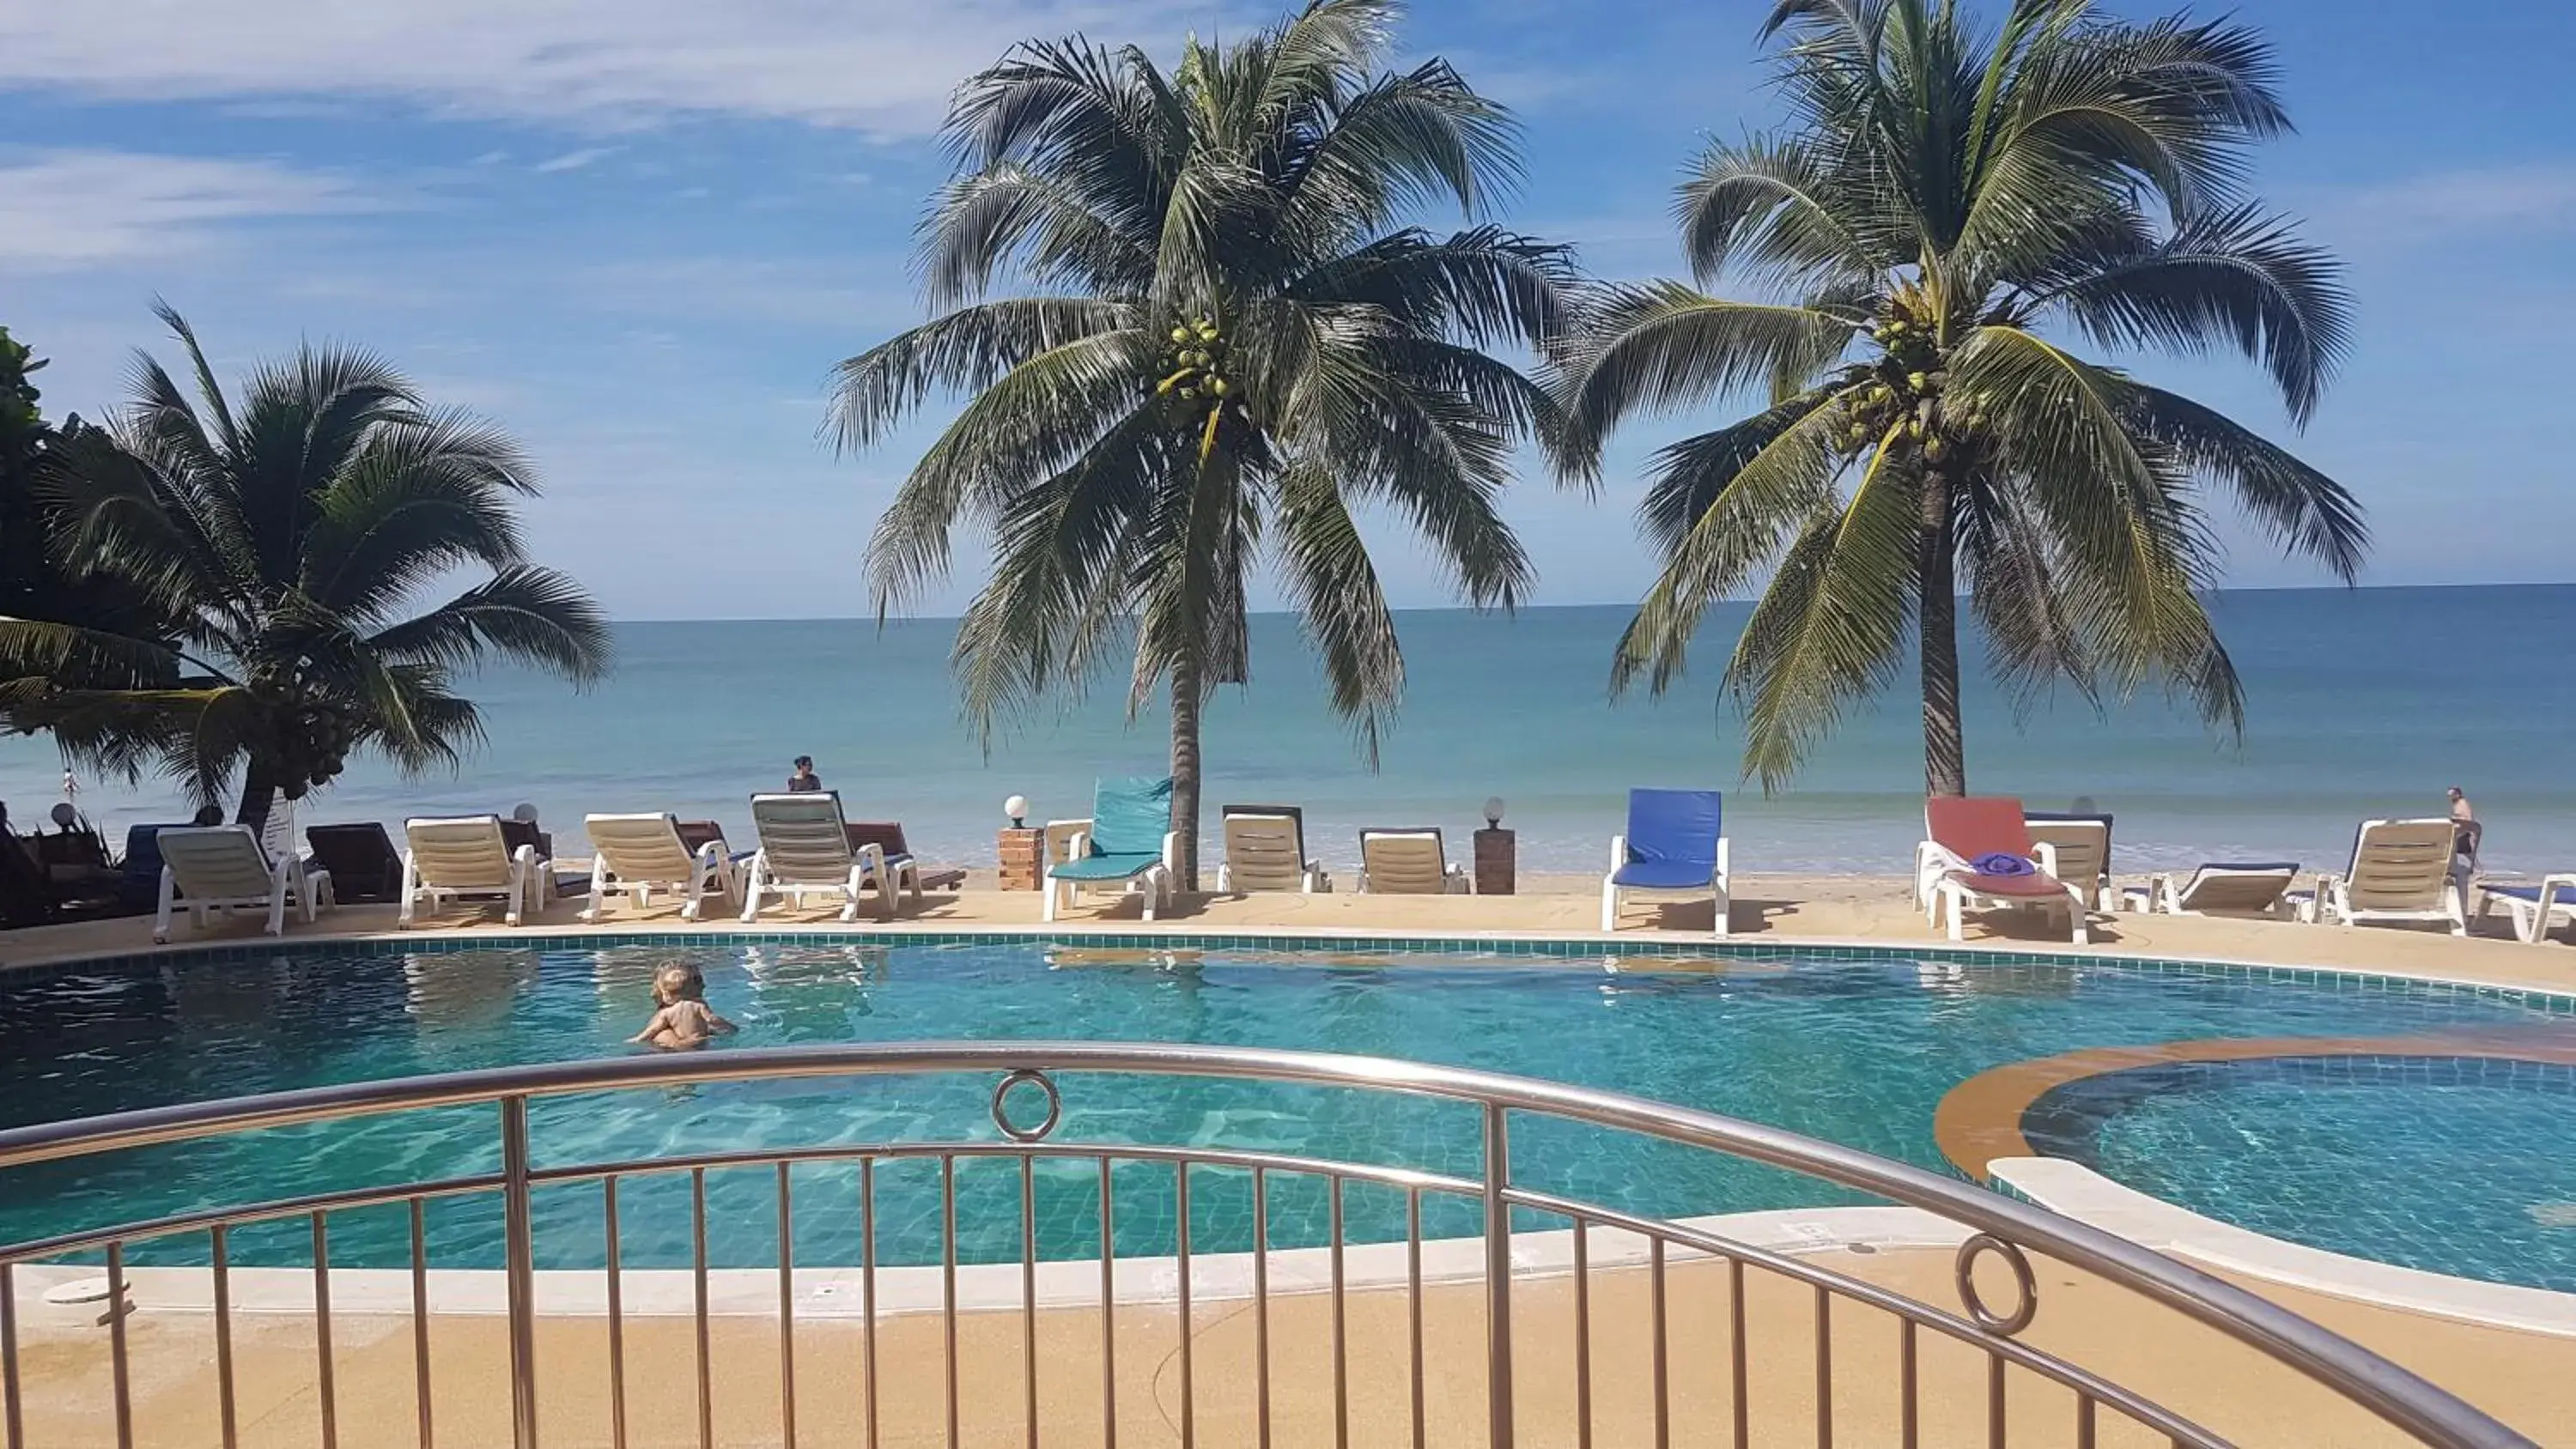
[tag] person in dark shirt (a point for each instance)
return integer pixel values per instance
(804, 779)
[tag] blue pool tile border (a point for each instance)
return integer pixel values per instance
(2558, 1003)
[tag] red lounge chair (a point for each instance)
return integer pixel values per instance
(1961, 829)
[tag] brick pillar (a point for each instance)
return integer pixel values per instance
(1496, 854)
(1023, 858)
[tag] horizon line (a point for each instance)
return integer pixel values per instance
(1549, 608)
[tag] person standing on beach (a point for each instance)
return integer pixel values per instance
(804, 779)
(2465, 826)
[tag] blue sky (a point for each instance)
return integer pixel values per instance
(639, 232)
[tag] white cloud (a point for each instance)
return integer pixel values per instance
(2453, 205)
(884, 65)
(63, 209)
(576, 160)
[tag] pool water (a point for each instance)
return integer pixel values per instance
(1856, 1052)
(2457, 1165)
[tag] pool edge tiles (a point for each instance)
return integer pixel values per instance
(1570, 947)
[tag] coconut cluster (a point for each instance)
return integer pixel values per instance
(307, 741)
(1909, 403)
(1194, 379)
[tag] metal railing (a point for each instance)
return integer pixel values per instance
(1681, 1260)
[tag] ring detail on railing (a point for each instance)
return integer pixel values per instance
(2026, 1286)
(1027, 1076)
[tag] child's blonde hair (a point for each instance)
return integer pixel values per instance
(680, 982)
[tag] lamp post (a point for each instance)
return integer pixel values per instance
(1497, 853)
(1022, 849)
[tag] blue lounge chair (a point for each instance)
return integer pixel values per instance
(2535, 907)
(1674, 846)
(1127, 844)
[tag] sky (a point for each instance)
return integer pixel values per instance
(638, 233)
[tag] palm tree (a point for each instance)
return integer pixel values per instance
(283, 542)
(1946, 207)
(1214, 347)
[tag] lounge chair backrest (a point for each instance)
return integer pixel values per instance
(1404, 862)
(885, 835)
(2249, 887)
(361, 858)
(515, 833)
(462, 852)
(1674, 825)
(277, 832)
(802, 837)
(1059, 839)
(1265, 847)
(696, 833)
(216, 862)
(143, 857)
(1969, 826)
(2399, 865)
(2082, 844)
(1131, 816)
(639, 847)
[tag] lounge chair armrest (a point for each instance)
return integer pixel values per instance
(1719, 877)
(2044, 855)
(1618, 851)
(1172, 853)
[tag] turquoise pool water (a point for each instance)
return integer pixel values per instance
(1857, 1052)
(2457, 1165)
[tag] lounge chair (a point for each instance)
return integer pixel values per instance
(2536, 907)
(805, 851)
(466, 857)
(1128, 844)
(910, 874)
(2402, 870)
(2083, 846)
(637, 853)
(362, 860)
(1675, 845)
(2220, 888)
(224, 868)
(140, 882)
(1265, 850)
(1409, 862)
(1962, 830)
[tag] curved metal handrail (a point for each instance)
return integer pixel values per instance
(2394, 1393)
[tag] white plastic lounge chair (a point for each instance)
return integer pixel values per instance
(637, 854)
(1127, 845)
(805, 851)
(2257, 889)
(1411, 862)
(2401, 871)
(464, 857)
(1675, 845)
(1265, 850)
(2083, 846)
(223, 868)
(2535, 907)
(1962, 830)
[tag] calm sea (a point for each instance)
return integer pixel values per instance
(2361, 703)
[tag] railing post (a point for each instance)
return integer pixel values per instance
(518, 1233)
(1498, 1279)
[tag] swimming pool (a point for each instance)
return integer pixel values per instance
(1856, 1051)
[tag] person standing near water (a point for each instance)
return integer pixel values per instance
(804, 779)
(2465, 826)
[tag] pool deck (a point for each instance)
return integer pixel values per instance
(2526, 1377)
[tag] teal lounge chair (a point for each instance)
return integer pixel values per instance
(1127, 844)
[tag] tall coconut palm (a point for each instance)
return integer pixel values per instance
(1947, 208)
(285, 540)
(1214, 346)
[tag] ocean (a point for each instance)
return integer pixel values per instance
(2360, 703)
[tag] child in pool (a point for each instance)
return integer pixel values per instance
(682, 1019)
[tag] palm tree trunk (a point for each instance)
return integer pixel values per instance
(1945, 759)
(259, 788)
(1185, 767)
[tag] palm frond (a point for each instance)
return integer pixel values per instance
(1661, 346)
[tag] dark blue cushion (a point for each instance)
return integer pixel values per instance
(1678, 827)
(1665, 875)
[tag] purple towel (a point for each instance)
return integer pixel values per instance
(2000, 863)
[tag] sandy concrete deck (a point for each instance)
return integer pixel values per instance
(2524, 1379)
(1768, 909)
